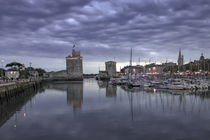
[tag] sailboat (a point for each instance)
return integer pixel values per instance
(132, 82)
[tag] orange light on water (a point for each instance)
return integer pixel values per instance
(154, 90)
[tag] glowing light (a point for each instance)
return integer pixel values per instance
(15, 126)
(24, 115)
(154, 90)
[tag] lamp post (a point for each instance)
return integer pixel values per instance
(2, 65)
(30, 71)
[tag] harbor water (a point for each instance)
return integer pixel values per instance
(88, 110)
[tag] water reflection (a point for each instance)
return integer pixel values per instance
(132, 113)
(10, 106)
(74, 92)
(111, 91)
(168, 101)
(75, 95)
(102, 84)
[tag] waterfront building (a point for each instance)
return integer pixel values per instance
(180, 59)
(202, 58)
(168, 67)
(111, 68)
(154, 69)
(12, 74)
(138, 69)
(74, 66)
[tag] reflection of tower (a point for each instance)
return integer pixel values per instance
(75, 94)
(111, 91)
(180, 59)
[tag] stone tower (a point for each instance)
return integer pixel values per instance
(74, 66)
(111, 68)
(180, 59)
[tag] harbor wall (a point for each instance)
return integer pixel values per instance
(10, 104)
(7, 91)
(64, 76)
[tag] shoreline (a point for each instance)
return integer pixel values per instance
(14, 88)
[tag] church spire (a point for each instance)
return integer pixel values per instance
(180, 59)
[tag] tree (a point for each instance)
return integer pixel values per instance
(25, 73)
(14, 65)
(2, 71)
(40, 71)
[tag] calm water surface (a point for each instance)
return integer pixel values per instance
(86, 110)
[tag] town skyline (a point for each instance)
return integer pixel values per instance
(43, 33)
(119, 64)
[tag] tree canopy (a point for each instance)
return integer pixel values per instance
(14, 64)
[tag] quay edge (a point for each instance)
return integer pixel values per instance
(7, 91)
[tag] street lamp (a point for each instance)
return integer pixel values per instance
(2, 63)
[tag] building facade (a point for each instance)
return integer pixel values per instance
(111, 68)
(138, 69)
(154, 69)
(10, 74)
(202, 58)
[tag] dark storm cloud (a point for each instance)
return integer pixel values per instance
(104, 29)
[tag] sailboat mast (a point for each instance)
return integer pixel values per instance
(131, 57)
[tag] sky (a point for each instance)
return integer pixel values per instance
(43, 31)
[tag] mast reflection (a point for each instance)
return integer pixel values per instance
(168, 101)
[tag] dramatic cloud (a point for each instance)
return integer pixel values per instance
(42, 32)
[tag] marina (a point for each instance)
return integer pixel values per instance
(170, 84)
(77, 110)
(137, 102)
(157, 76)
(104, 69)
